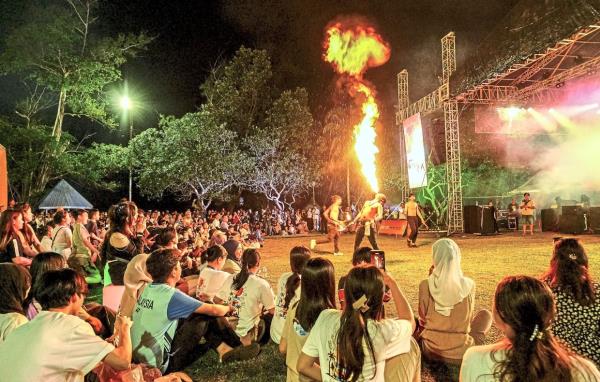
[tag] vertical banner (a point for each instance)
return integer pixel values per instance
(415, 151)
(3, 179)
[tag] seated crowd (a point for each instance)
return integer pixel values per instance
(168, 299)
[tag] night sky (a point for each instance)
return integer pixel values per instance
(193, 35)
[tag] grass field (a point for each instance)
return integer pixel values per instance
(485, 259)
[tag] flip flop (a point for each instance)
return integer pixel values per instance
(241, 353)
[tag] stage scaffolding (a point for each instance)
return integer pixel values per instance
(535, 80)
(440, 97)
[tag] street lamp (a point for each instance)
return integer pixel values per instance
(126, 105)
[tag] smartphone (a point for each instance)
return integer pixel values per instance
(378, 258)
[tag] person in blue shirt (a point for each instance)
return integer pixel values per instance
(168, 324)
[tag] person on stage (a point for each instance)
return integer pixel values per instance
(333, 214)
(527, 210)
(371, 213)
(414, 218)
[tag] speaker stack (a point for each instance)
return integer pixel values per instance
(572, 220)
(594, 219)
(549, 220)
(478, 219)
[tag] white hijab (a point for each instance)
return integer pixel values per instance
(447, 285)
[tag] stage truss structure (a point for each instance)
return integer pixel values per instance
(536, 80)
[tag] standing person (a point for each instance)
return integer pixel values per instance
(334, 216)
(494, 212)
(316, 215)
(513, 211)
(414, 218)
(447, 308)
(317, 293)
(577, 297)
(527, 208)
(354, 344)
(367, 218)
(56, 344)
(524, 311)
(288, 290)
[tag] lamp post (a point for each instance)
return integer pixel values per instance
(126, 106)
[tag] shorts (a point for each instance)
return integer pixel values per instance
(526, 219)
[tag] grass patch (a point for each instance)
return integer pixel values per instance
(485, 259)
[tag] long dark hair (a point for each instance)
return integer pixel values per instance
(119, 216)
(317, 291)
(250, 258)
(298, 258)
(213, 253)
(15, 281)
(7, 231)
(527, 306)
(361, 281)
(569, 271)
(42, 263)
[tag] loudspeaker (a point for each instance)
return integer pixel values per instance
(549, 220)
(478, 220)
(594, 218)
(572, 210)
(572, 224)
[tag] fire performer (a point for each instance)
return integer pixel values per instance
(527, 208)
(370, 214)
(414, 219)
(334, 225)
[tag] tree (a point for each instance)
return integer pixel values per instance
(191, 156)
(238, 93)
(69, 66)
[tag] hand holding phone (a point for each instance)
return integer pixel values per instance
(378, 258)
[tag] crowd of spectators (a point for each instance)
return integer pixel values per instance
(175, 286)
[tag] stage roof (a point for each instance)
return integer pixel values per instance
(536, 46)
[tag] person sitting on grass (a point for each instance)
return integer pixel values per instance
(317, 293)
(234, 249)
(577, 297)
(56, 345)
(212, 277)
(355, 343)
(446, 308)
(252, 299)
(11, 247)
(360, 257)
(524, 310)
(288, 289)
(15, 282)
(159, 339)
(46, 234)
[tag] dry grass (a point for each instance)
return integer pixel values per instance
(485, 259)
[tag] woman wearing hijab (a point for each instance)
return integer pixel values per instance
(446, 308)
(233, 264)
(15, 282)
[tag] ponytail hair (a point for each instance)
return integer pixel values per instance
(250, 259)
(298, 258)
(527, 306)
(569, 271)
(361, 281)
(213, 253)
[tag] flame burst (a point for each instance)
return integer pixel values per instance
(352, 47)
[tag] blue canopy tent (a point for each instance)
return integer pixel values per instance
(63, 195)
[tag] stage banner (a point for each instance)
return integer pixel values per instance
(415, 151)
(3, 179)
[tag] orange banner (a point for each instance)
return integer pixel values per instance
(3, 179)
(392, 227)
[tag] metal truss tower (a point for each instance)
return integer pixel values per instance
(452, 133)
(403, 103)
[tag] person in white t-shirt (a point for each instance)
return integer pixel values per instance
(288, 290)
(15, 282)
(354, 344)
(57, 345)
(61, 234)
(212, 277)
(251, 297)
(524, 310)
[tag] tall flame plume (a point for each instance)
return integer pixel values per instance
(351, 47)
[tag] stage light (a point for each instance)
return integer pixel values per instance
(562, 119)
(546, 123)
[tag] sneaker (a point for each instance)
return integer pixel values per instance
(241, 353)
(338, 254)
(313, 244)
